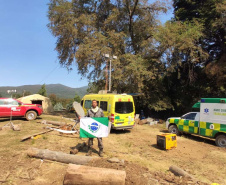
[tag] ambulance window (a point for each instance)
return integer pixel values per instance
(88, 104)
(104, 105)
(123, 107)
(190, 116)
(81, 103)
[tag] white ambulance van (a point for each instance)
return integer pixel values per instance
(209, 122)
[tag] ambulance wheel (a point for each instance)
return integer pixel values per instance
(221, 140)
(31, 115)
(173, 129)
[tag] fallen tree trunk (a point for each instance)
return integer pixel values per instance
(179, 172)
(58, 156)
(86, 175)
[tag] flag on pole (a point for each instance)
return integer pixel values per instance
(94, 127)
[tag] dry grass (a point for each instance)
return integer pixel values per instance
(198, 156)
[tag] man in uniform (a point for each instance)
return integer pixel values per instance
(95, 111)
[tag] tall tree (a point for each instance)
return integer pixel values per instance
(42, 91)
(190, 45)
(210, 13)
(180, 51)
(164, 62)
(87, 29)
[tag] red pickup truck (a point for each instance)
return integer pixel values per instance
(11, 107)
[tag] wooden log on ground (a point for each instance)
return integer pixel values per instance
(179, 172)
(58, 156)
(55, 123)
(86, 175)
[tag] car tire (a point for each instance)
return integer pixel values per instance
(173, 129)
(221, 140)
(31, 115)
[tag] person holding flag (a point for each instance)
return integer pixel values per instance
(95, 111)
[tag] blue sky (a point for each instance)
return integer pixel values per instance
(27, 54)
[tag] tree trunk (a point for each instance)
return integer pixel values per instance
(86, 175)
(58, 156)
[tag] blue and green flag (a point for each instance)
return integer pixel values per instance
(94, 127)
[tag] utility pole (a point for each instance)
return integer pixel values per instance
(106, 70)
(113, 57)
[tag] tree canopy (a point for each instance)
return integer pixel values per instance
(88, 29)
(211, 14)
(173, 64)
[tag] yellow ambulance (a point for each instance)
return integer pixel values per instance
(119, 107)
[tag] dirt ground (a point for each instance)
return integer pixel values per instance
(144, 163)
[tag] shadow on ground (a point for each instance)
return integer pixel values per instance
(120, 131)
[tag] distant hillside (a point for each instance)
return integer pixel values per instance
(60, 90)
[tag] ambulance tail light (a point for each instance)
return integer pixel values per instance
(112, 118)
(134, 120)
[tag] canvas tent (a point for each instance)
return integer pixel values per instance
(38, 99)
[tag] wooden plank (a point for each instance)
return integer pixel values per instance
(39, 133)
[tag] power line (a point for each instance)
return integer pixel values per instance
(48, 74)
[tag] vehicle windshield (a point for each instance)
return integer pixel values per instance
(123, 107)
(190, 116)
(12, 102)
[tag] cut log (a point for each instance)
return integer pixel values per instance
(55, 123)
(58, 156)
(179, 172)
(86, 175)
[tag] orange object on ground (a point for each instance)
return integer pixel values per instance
(167, 141)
